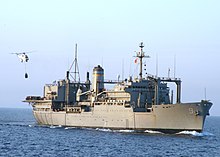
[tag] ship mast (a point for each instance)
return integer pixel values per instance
(141, 55)
(76, 67)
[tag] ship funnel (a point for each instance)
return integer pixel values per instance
(98, 79)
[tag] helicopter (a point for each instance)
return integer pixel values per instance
(23, 59)
(22, 56)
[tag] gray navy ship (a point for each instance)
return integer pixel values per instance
(143, 103)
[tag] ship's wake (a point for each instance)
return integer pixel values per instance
(187, 133)
(112, 130)
(195, 133)
(153, 132)
(104, 130)
(129, 131)
(67, 128)
(55, 126)
(125, 131)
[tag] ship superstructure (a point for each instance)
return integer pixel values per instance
(143, 103)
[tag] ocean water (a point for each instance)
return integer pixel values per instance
(21, 136)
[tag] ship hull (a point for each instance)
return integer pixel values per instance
(169, 118)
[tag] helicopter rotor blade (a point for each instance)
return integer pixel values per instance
(24, 52)
(15, 53)
(29, 51)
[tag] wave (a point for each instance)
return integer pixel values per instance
(67, 128)
(191, 133)
(126, 131)
(55, 126)
(195, 133)
(129, 131)
(153, 132)
(16, 124)
(110, 130)
(104, 130)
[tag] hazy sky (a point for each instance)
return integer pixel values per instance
(108, 33)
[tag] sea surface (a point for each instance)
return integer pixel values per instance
(21, 136)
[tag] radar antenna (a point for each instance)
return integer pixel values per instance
(141, 55)
(76, 68)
